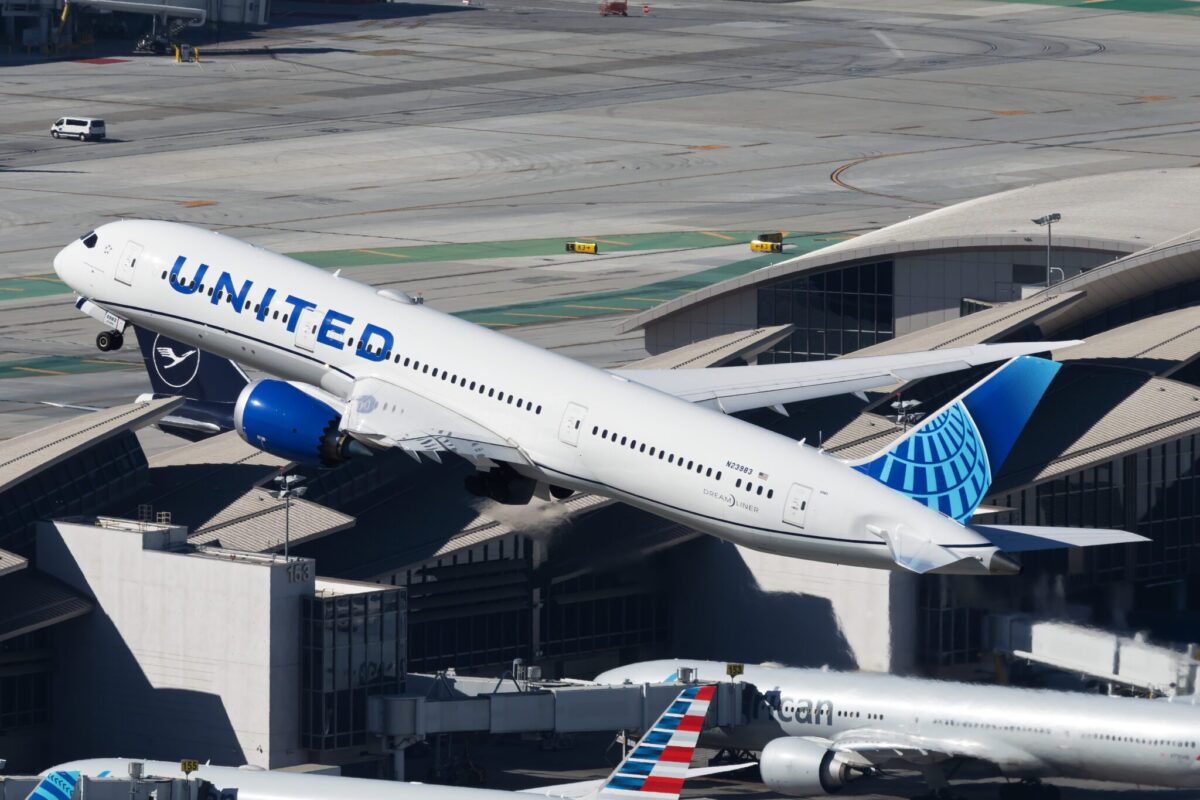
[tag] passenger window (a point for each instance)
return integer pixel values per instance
(689, 465)
(718, 474)
(537, 410)
(671, 458)
(425, 369)
(500, 396)
(622, 440)
(605, 434)
(491, 392)
(739, 483)
(651, 451)
(760, 489)
(276, 315)
(285, 316)
(510, 399)
(661, 453)
(708, 473)
(770, 493)
(643, 448)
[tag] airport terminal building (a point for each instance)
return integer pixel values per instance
(394, 569)
(1113, 444)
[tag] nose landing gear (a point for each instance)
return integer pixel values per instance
(109, 340)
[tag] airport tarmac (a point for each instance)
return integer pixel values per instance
(367, 137)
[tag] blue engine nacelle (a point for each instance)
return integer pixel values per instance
(284, 421)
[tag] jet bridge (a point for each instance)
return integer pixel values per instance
(444, 704)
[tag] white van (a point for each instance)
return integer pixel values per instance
(80, 128)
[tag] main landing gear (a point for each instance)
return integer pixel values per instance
(109, 340)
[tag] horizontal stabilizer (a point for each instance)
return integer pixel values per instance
(1028, 538)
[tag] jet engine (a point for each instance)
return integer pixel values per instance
(284, 421)
(801, 768)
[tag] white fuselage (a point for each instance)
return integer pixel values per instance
(258, 784)
(709, 471)
(1067, 734)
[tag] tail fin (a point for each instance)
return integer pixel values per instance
(58, 785)
(185, 371)
(658, 765)
(948, 461)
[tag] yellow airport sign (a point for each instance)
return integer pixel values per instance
(759, 246)
(583, 247)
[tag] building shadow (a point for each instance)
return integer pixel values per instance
(720, 613)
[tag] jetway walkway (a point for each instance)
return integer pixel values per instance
(450, 704)
(1120, 661)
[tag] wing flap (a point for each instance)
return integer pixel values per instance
(387, 415)
(880, 748)
(732, 389)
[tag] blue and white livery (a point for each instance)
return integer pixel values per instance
(359, 369)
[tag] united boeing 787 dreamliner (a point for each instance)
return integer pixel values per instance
(364, 369)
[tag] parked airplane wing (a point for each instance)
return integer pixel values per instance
(731, 389)
(589, 789)
(881, 748)
(386, 415)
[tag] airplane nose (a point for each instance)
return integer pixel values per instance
(60, 264)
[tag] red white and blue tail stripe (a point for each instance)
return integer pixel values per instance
(658, 765)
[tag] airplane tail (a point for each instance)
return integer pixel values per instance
(948, 461)
(57, 785)
(658, 765)
(182, 370)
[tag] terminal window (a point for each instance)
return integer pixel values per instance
(353, 648)
(834, 312)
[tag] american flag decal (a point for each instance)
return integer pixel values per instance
(659, 763)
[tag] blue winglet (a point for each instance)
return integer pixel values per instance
(948, 461)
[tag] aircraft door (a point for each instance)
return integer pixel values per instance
(306, 329)
(796, 506)
(572, 421)
(125, 266)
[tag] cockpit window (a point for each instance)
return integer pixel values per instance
(89, 239)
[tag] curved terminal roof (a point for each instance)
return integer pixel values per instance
(1120, 213)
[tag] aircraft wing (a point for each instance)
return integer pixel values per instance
(588, 788)
(386, 415)
(866, 747)
(731, 389)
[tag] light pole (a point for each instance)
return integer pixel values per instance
(289, 487)
(1048, 220)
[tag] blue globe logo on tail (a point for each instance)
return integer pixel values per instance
(948, 461)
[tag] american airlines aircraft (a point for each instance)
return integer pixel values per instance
(655, 769)
(818, 730)
(366, 369)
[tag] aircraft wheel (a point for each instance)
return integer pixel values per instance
(118, 340)
(104, 341)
